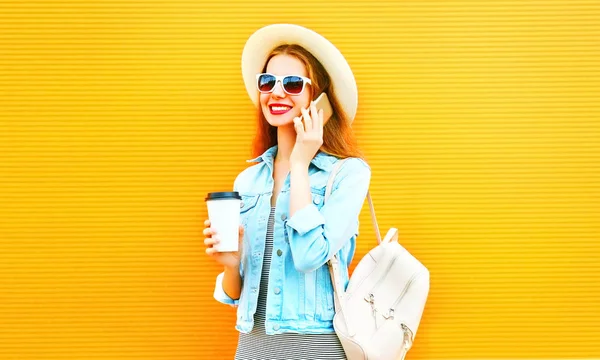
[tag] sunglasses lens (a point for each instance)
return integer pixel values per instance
(293, 84)
(266, 82)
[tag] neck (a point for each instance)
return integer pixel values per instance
(286, 138)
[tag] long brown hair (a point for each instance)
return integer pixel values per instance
(338, 137)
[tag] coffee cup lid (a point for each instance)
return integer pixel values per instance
(227, 195)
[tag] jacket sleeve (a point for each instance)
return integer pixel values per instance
(316, 235)
(219, 294)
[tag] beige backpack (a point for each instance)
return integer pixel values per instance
(378, 315)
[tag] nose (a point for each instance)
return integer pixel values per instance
(278, 90)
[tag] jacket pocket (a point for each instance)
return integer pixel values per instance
(246, 205)
(248, 202)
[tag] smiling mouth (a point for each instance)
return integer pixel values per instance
(279, 109)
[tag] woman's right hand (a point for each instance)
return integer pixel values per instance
(230, 259)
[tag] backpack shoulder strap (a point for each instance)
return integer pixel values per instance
(333, 264)
(336, 168)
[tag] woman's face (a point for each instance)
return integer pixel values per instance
(279, 107)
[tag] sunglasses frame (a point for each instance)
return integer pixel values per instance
(279, 79)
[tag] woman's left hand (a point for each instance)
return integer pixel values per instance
(309, 136)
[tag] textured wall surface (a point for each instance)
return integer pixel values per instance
(480, 120)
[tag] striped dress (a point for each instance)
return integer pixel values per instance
(258, 345)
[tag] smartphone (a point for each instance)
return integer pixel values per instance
(322, 103)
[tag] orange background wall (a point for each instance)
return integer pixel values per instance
(480, 119)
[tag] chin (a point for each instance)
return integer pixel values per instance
(278, 120)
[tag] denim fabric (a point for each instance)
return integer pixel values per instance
(300, 297)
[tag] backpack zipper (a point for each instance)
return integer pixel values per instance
(370, 298)
(407, 341)
(408, 334)
(395, 304)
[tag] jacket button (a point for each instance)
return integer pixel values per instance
(277, 291)
(241, 204)
(279, 252)
(276, 327)
(283, 217)
(317, 200)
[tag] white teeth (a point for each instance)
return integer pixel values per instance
(280, 108)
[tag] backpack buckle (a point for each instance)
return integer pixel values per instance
(390, 314)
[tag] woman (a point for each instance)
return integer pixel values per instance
(280, 280)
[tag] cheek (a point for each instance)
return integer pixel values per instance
(263, 99)
(303, 100)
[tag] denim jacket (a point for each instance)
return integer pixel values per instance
(300, 295)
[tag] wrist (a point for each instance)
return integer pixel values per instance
(299, 166)
(232, 269)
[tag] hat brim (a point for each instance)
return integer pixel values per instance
(263, 41)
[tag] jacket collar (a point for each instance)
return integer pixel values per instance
(321, 160)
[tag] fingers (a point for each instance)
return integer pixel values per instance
(208, 232)
(312, 119)
(314, 116)
(211, 241)
(308, 122)
(298, 126)
(211, 251)
(320, 124)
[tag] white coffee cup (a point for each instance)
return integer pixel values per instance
(224, 216)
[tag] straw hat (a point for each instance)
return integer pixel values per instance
(264, 40)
